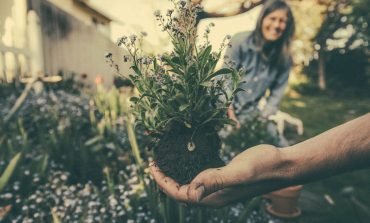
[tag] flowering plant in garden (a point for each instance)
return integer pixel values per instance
(182, 99)
(76, 165)
(84, 137)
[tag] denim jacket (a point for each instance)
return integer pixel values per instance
(260, 76)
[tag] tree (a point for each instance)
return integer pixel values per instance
(344, 29)
(226, 8)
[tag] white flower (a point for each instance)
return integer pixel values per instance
(113, 202)
(191, 146)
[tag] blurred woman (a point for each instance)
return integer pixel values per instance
(265, 56)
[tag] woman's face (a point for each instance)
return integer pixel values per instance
(274, 25)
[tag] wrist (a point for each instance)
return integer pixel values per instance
(288, 165)
(277, 165)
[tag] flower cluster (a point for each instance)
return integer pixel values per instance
(181, 21)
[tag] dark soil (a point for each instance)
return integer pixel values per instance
(176, 161)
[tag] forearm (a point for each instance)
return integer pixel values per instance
(341, 149)
(265, 168)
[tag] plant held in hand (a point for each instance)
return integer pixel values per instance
(182, 99)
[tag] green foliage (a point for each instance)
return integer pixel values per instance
(9, 171)
(337, 33)
(83, 169)
(59, 127)
(251, 133)
(345, 22)
(182, 86)
(343, 40)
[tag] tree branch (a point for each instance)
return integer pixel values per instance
(245, 6)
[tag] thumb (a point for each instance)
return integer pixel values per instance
(205, 183)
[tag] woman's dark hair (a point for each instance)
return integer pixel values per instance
(279, 52)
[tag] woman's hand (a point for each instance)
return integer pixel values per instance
(232, 116)
(217, 187)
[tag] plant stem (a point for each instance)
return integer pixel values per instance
(182, 209)
(248, 209)
(133, 142)
(200, 215)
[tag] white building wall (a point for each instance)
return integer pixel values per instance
(69, 7)
(40, 42)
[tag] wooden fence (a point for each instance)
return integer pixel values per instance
(14, 62)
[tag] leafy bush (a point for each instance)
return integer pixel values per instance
(251, 133)
(66, 128)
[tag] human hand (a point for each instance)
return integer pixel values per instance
(265, 168)
(243, 178)
(180, 192)
(232, 116)
(237, 125)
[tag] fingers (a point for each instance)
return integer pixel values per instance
(205, 183)
(168, 185)
(221, 198)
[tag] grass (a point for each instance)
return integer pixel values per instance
(320, 112)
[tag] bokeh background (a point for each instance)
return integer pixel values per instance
(69, 151)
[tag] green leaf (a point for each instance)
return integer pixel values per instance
(204, 99)
(155, 65)
(9, 171)
(93, 140)
(188, 125)
(237, 90)
(212, 65)
(211, 117)
(146, 95)
(203, 55)
(134, 99)
(164, 123)
(174, 66)
(176, 60)
(132, 77)
(219, 72)
(183, 107)
(136, 69)
(44, 164)
(207, 84)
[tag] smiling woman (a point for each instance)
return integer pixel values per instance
(264, 54)
(274, 24)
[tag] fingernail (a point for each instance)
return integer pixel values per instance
(199, 193)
